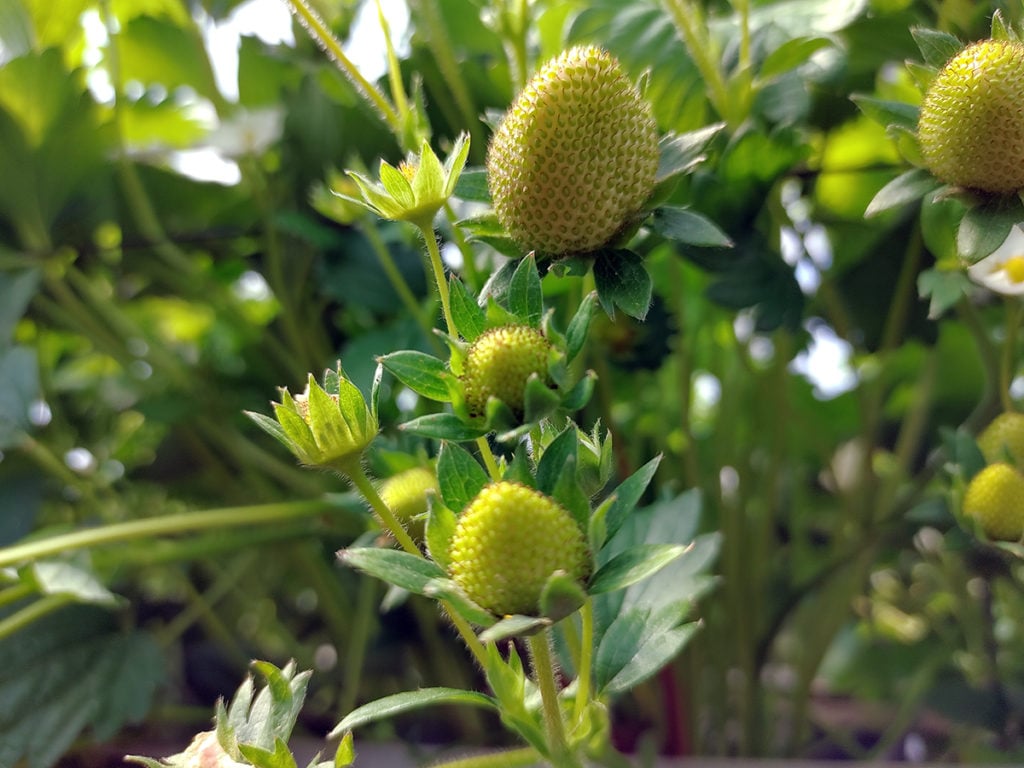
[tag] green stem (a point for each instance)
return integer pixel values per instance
(41, 607)
(544, 671)
(355, 472)
(1008, 365)
(689, 23)
(583, 665)
(488, 457)
(330, 44)
(432, 26)
(398, 281)
(202, 604)
(469, 268)
(439, 278)
(512, 758)
(358, 641)
(15, 593)
(184, 522)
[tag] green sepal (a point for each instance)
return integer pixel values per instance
(561, 596)
(622, 281)
(680, 153)
(424, 374)
(943, 288)
(539, 400)
(633, 565)
(688, 227)
(936, 47)
(396, 185)
(984, 227)
(345, 755)
(791, 55)
(579, 327)
(472, 186)
(628, 494)
(440, 527)
(907, 144)
(449, 591)
(403, 569)
(579, 395)
(443, 426)
(567, 493)
(509, 682)
(525, 297)
(280, 757)
(963, 452)
(470, 320)
(887, 112)
(597, 525)
(553, 459)
(518, 470)
(514, 625)
(459, 476)
(398, 703)
(271, 426)
(905, 188)
(922, 74)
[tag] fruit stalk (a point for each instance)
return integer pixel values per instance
(442, 285)
(544, 672)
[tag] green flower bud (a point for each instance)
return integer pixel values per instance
(417, 189)
(508, 542)
(327, 426)
(575, 157)
(499, 363)
(971, 128)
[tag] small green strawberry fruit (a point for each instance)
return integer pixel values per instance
(971, 127)
(405, 494)
(499, 363)
(995, 499)
(1003, 437)
(508, 541)
(575, 157)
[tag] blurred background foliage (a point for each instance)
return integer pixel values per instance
(168, 256)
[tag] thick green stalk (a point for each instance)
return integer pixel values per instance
(1008, 366)
(185, 522)
(512, 758)
(354, 471)
(330, 44)
(544, 672)
(488, 457)
(690, 24)
(439, 278)
(358, 641)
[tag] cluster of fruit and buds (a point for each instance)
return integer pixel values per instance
(521, 533)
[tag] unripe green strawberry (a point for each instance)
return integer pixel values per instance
(995, 498)
(971, 128)
(1004, 436)
(575, 156)
(508, 541)
(405, 494)
(498, 364)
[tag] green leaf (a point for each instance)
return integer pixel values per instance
(405, 570)
(443, 426)
(628, 494)
(19, 387)
(525, 297)
(579, 327)
(469, 317)
(553, 460)
(66, 672)
(791, 54)
(579, 395)
(472, 186)
(450, 592)
(633, 565)
(936, 47)
(943, 287)
(422, 373)
(905, 188)
(963, 451)
(75, 579)
(636, 645)
(679, 153)
(888, 112)
(440, 528)
(514, 626)
(153, 50)
(687, 227)
(280, 757)
(399, 703)
(459, 476)
(984, 227)
(622, 281)
(16, 290)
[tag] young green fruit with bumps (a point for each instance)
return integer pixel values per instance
(575, 157)
(1004, 438)
(508, 542)
(971, 126)
(500, 362)
(406, 496)
(995, 499)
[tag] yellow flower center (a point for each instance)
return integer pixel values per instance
(408, 170)
(1014, 267)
